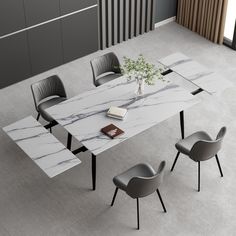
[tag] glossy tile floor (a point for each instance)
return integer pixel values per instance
(32, 204)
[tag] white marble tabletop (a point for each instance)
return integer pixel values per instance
(198, 74)
(84, 115)
(41, 146)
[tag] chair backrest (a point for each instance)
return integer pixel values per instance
(204, 150)
(144, 186)
(105, 63)
(51, 86)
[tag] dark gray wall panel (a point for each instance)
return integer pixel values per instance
(115, 9)
(68, 6)
(45, 47)
(109, 23)
(138, 17)
(80, 34)
(121, 19)
(148, 14)
(11, 16)
(103, 26)
(143, 16)
(14, 60)
(38, 11)
(126, 20)
(153, 14)
(165, 9)
(132, 18)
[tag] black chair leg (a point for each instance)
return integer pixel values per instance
(114, 197)
(38, 116)
(50, 129)
(137, 213)
(198, 176)
(162, 203)
(218, 162)
(176, 158)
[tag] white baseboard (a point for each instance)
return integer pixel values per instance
(164, 22)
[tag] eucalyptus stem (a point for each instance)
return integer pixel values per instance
(141, 68)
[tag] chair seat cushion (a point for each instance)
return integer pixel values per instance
(140, 170)
(49, 103)
(107, 78)
(185, 145)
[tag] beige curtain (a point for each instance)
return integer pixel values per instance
(205, 17)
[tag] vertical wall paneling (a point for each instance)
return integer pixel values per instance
(126, 17)
(148, 15)
(138, 17)
(102, 23)
(121, 20)
(115, 22)
(132, 18)
(109, 23)
(143, 15)
(153, 14)
(99, 25)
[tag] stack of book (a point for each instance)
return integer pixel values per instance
(117, 112)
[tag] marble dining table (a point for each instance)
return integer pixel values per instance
(49, 154)
(84, 115)
(195, 72)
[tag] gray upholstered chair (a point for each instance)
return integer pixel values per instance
(200, 147)
(46, 93)
(105, 68)
(140, 181)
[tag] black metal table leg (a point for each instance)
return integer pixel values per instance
(138, 213)
(182, 123)
(94, 171)
(114, 197)
(69, 139)
(199, 174)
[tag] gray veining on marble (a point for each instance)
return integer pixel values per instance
(41, 146)
(84, 115)
(198, 74)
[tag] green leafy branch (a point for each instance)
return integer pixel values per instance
(140, 68)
